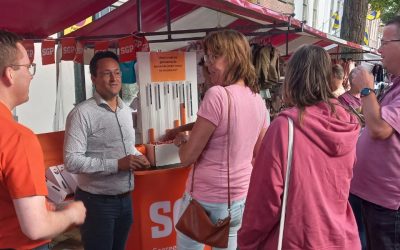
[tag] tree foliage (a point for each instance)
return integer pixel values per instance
(354, 18)
(388, 8)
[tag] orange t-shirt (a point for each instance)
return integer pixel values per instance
(22, 174)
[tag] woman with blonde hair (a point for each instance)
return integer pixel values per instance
(318, 215)
(228, 62)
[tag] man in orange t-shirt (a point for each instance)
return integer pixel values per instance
(25, 222)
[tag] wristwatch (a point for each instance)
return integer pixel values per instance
(366, 91)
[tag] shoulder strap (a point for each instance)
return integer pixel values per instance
(286, 183)
(228, 149)
(228, 155)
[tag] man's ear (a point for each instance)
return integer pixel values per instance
(8, 76)
(93, 81)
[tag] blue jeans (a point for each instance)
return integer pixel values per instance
(216, 211)
(42, 247)
(382, 227)
(108, 220)
(355, 203)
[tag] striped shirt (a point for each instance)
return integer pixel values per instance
(95, 138)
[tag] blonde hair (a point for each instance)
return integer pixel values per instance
(234, 46)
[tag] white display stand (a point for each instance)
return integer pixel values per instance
(168, 92)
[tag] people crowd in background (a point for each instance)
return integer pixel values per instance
(337, 80)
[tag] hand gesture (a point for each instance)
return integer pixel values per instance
(170, 134)
(362, 78)
(180, 138)
(134, 162)
(76, 211)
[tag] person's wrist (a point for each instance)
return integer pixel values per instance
(181, 141)
(366, 91)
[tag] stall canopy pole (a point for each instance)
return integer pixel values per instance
(139, 15)
(349, 53)
(367, 60)
(190, 31)
(287, 37)
(168, 19)
(289, 24)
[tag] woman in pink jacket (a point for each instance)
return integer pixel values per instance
(318, 215)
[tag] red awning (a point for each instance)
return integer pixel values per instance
(207, 14)
(264, 15)
(123, 20)
(40, 18)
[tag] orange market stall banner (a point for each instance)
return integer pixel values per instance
(167, 66)
(48, 52)
(100, 46)
(30, 49)
(156, 203)
(68, 49)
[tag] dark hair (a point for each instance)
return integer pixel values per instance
(8, 48)
(234, 46)
(338, 71)
(308, 77)
(98, 56)
(395, 21)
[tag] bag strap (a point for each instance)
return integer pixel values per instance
(228, 149)
(228, 155)
(286, 187)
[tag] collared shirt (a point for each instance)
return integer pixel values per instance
(95, 138)
(21, 175)
(350, 100)
(376, 173)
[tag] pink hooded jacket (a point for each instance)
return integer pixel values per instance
(318, 214)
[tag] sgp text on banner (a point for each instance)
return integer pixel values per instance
(68, 49)
(48, 52)
(127, 50)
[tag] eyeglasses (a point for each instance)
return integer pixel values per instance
(31, 67)
(384, 42)
(209, 58)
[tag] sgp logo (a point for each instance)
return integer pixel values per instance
(68, 50)
(160, 213)
(48, 51)
(127, 49)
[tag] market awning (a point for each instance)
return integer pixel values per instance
(192, 19)
(40, 18)
(264, 15)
